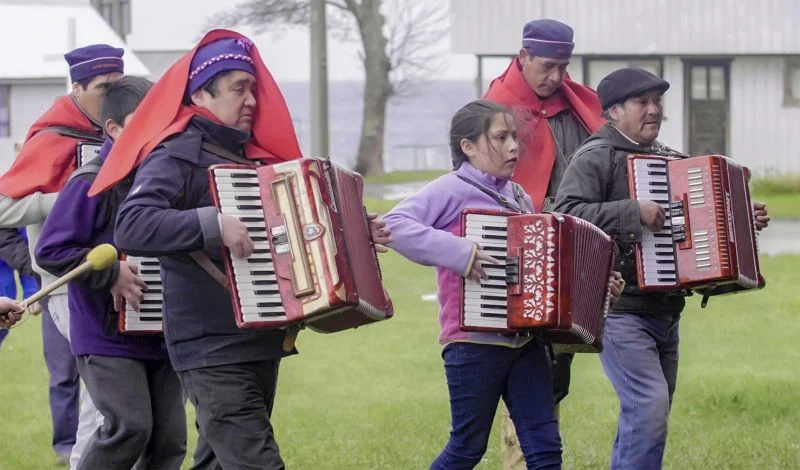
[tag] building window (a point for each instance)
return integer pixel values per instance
(5, 111)
(117, 14)
(125, 8)
(791, 82)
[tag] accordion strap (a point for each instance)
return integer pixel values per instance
(226, 154)
(210, 268)
(290, 336)
(518, 195)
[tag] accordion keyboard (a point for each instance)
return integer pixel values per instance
(256, 285)
(485, 302)
(150, 314)
(658, 249)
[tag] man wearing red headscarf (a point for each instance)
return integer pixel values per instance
(556, 116)
(218, 104)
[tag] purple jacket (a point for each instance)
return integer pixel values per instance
(426, 228)
(76, 224)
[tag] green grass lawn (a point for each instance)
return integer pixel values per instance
(780, 206)
(404, 177)
(376, 398)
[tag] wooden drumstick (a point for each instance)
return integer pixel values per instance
(100, 257)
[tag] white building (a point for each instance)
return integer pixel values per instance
(33, 72)
(733, 66)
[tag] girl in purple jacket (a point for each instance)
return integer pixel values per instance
(481, 368)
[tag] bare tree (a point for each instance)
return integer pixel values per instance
(396, 52)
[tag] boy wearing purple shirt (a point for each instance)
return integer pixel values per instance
(129, 378)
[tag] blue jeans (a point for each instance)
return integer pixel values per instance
(478, 376)
(640, 358)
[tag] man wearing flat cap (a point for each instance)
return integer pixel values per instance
(640, 342)
(556, 115)
(28, 191)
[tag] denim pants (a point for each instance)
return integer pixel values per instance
(640, 358)
(478, 376)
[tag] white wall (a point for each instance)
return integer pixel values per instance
(672, 129)
(765, 135)
(27, 103)
(633, 26)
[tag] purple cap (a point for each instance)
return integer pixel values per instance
(216, 57)
(548, 38)
(93, 60)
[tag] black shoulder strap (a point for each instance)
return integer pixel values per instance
(502, 200)
(92, 167)
(226, 154)
(74, 133)
(591, 145)
(519, 195)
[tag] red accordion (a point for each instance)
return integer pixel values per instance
(555, 277)
(709, 239)
(314, 262)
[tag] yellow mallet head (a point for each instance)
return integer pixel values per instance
(102, 256)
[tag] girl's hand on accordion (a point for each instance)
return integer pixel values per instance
(381, 235)
(615, 285)
(476, 272)
(235, 237)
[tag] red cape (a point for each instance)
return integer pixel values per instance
(47, 158)
(161, 115)
(538, 151)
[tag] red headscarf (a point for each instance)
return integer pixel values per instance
(161, 114)
(539, 150)
(47, 158)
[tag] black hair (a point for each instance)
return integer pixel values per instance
(123, 97)
(471, 122)
(84, 82)
(210, 86)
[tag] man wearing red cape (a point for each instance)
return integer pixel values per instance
(28, 191)
(556, 115)
(217, 104)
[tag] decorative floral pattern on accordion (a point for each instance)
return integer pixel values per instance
(538, 259)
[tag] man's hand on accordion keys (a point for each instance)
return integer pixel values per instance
(760, 216)
(128, 287)
(652, 215)
(381, 235)
(615, 285)
(236, 237)
(476, 271)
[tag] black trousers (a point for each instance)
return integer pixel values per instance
(233, 404)
(144, 417)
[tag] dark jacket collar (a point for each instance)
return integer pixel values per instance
(620, 142)
(226, 137)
